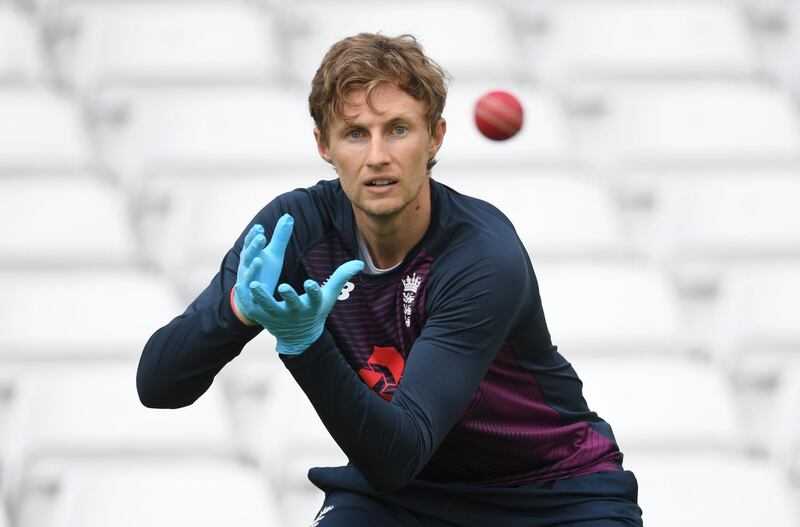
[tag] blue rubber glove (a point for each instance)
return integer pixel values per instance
(298, 321)
(262, 264)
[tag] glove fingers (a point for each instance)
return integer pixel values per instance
(290, 296)
(253, 248)
(251, 272)
(281, 236)
(341, 275)
(252, 233)
(313, 291)
(263, 298)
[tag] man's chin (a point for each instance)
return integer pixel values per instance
(380, 210)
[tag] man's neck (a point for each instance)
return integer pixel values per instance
(390, 238)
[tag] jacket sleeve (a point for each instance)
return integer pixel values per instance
(472, 312)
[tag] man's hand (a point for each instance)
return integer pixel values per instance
(260, 263)
(298, 321)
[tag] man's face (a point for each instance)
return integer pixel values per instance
(381, 157)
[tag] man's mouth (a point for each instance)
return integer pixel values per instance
(381, 182)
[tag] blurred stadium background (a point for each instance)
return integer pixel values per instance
(655, 184)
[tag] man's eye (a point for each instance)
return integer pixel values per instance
(354, 134)
(400, 130)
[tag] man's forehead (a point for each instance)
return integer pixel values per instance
(388, 102)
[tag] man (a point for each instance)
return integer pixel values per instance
(426, 353)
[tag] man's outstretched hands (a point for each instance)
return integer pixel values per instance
(298, 321)
(262, 263)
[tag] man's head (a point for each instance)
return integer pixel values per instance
(365, 61)
(377, 103)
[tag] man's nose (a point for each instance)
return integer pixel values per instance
(378, 154)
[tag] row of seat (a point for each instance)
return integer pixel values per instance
(94, 44)
(721, 221)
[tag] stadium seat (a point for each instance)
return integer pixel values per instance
(757, 334)
(544, 140)
(662, 404)
(784, 433)
(687, 125)
(589, 40)
(21, 59)
(707, 225)
(247, 377)
(132, 493)
(284, 434)
(57, 223)
(88, 314)
(776, 27)
(107, 44)
(42, 131)
(556, 215)
(218, 130)
(605, 309)
(217, 207)
(449, 36)
(701, 489)
(68, 414)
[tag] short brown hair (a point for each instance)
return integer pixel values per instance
(364, 61)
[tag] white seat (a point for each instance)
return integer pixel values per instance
(544, 139)
(610, 309)
(732, 217)
(166, 42)
(87, 314)
(200, 493)
(65, 415)
(708, 225)
(288, 437)
(784, 432)
(447, 35)
(57, 223)
(216, 130)
(42, 131)
(20, 52)
(662, 404)
(247, 377)
(217, 208)
(690, 125)
(556, 215)
(776, 26)
(632, 40)
(701, 489)
(757, 334)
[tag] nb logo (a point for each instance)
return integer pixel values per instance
(346, 290)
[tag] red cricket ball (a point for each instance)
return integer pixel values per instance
(498, 115)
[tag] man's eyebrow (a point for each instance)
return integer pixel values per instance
(402, 116)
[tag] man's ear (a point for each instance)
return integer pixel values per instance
(438, 136)
(322, 147)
